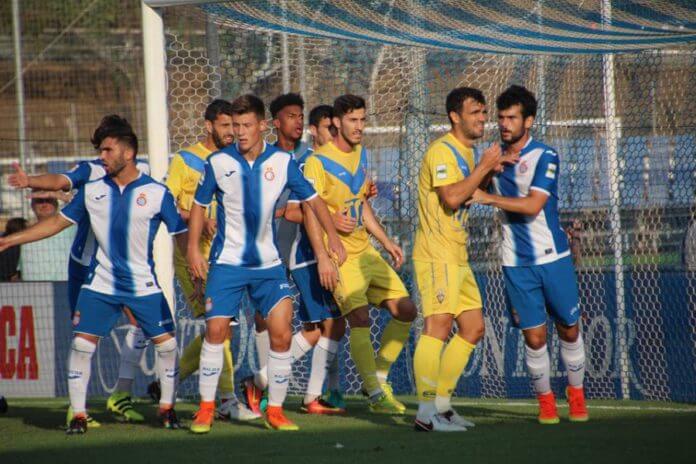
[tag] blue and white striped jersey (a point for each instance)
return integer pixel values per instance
(532, 240)
(124, 221)
(247, 195)
(293, 242)
(84, 245)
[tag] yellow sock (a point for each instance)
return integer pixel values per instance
(394, 338)
(363, 354)
(426, 366)
(190, 358)
(226, 382)
(454, 360)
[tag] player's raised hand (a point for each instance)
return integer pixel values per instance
(336, 249)
(508, 159)
(344, 223)
(479, 197)
(372, 190)
(396, 253)
(19, 179)
(491, 157)
(328, 274)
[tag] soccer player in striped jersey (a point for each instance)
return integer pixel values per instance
(247, 179)
(338, 171)
(447, 286)
(124, 210)
(81, 255)
(323, 326)
(537, 266)
(185, 171)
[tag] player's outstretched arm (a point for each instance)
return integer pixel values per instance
(454, 195)
(322, 212)
(197, 264)
(20, 179)
(375, 228)
(328, 274)
(529, 205)
(38, 231)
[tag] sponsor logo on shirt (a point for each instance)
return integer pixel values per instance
(100, 197)
(286, 285)
(228, 174)
(165, 322)
(141, 200)
(269, 175)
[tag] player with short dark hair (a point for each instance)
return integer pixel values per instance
(247, 178)
(123, 209)
(537, 266)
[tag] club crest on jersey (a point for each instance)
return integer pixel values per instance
(440, 295)
(76, 318)
(523, 167)
(269, 175)
(208, 304)
(141, 200)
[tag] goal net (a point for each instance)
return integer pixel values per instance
(621, 123)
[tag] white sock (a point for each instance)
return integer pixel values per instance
(324, 352)
(263, 346)
(279, 367)
(573, 356)
(168, 371)
(299, 346)
(209, 370)
(79, 369)
(539, 368)
(443, 404)
(131, 352)
(425, 410)
(333, 381)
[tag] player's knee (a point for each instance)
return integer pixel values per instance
(216, 333)
(359, 318)
(337, 329)
(473, 333)
(406, 310)
(280, 342)
(535, 342)
(312, 335)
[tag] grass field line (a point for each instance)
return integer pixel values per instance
(563, 405)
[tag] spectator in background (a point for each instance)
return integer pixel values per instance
(575, 233)
(9, 259)
(46, 260)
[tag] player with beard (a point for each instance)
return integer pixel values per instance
(185, 171)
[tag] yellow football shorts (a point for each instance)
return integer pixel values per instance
(184, 278)
(446, 288)
(365, 279)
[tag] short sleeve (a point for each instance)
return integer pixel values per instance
(442, 165)
(75, 211)
(546, 173)
(315, 175)
(175, 176)
(206, 186)
(79, 175)
(170, 215)
(298, 184)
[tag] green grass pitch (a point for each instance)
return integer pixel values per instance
(506, 432)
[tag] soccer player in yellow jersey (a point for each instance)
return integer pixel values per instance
(446, 283)
(338, 171)
(182, 179)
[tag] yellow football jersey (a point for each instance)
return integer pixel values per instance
(441, 234)
(185, 170)
(340, 179)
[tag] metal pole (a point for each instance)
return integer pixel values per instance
(158, 134)
(19, 94)
(212, 43)
(286, 52)
(612, 127)
(541, 75)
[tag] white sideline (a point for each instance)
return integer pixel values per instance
(563, 405)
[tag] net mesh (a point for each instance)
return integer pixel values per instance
(627, 174)
(626, 195)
